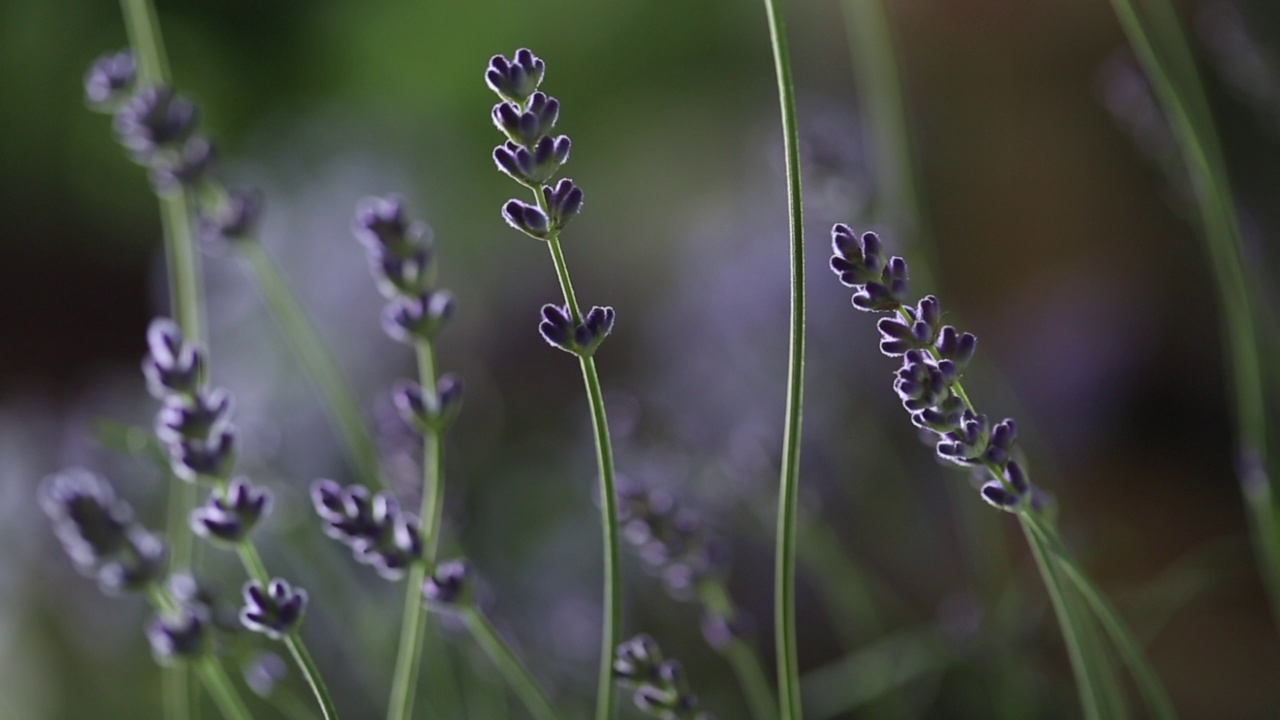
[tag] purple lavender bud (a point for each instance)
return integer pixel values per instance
(557, 327)
(177, 638)
(172, 365)
(942, 418)
(929, 312)
(595, 327)
(142, 562)
(530, 125)
(235, 218)
(1003, 435)
(449, 399)
(429, 413)
(186, 168)
(896, 337)
(636, 660)
(534, 165)
(1017, 477)
(449, 586)
(109, 80)
(965, 446)
(275, 610)
(229, 517)
(526, 218)
(564, 202)
(192, 418)
(213, 459)
(383, 224)
(996, 494)
(410, 319)
(515, 79)
(398, 546)
(919, 383)
(88, 518)
(396, 275)
(856, 260)
(155, 118)
(412, 404)
(956, 347)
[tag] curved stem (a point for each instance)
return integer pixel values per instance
(1166, 58)
(1153, 692)
(311, 352)
(413, 624)
(740, 655)
(182, 261)
(785, 589)
(515, 671)
(311, 674)
(612, 622)
(1090, 701)
(220, 688)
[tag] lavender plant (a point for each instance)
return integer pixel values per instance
(659, 686)
(929, 385)
(194, 426)
(1155, 32)
(692, 564)
(532, 156)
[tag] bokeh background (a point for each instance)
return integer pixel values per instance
(1054, 217)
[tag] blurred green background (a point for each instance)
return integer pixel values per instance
(1060, 241)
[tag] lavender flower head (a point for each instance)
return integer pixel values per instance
(581, 338)
(449, 586)
(235, 218)
(229, 516)
(98, 532)
(378, 532)
(155, 118)
(274, 610)
(515, 79)
(934, 357)
(660, 686)
(178, 637)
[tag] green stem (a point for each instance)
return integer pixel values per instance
(515, 671)
(310, 350)
(182, 262)
(1090, 701)
(220, 688)
(412, 624)
(612, 621)
(1153, 692)
(257, 570)
(1166, 57)
(785, 588)
(740, 655)
(311, 674)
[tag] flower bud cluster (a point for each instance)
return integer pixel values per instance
(450, 586)
(934, 357)
(533, 156)
(193, 423)
(660, 686)
(670, 539)
(98, 531)
(161, 130)
(274, 610)
(378, 532)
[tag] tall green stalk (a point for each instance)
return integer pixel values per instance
(515, 671)
(413, 624)
(788, 661)
(612, 623)
(182, 264)
(1155, 32)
